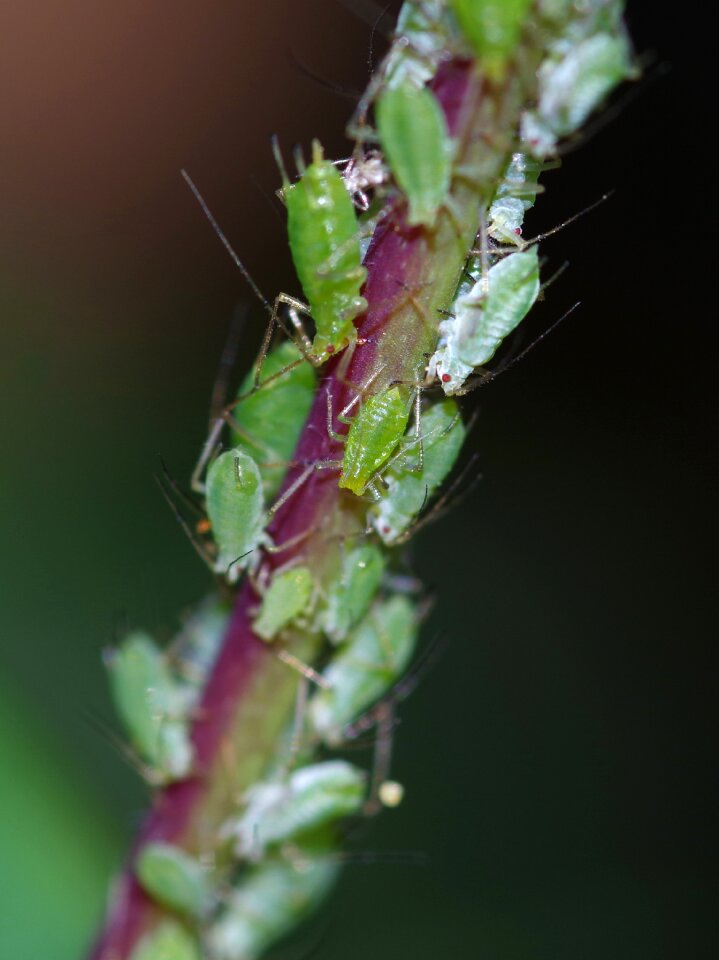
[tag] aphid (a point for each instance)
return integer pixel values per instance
(267, 421)
(194, 649)
(484, 316)
(324, 242)
(374, 435)
(363, 174)
(174, 878)
(492, 28)
(269, 901)
(348, 599)
(407, 491)
(169, 940)
(572, 87)
(516, 194)
(287, 598)
(413, 132)
(153, 706)
(235, 507)
(310, 797)
(374, 657)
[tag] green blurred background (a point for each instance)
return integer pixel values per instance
(557, 759)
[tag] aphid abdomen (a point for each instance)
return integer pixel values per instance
(414, 135)
(372, 438)
(235, 508)
(324, 241)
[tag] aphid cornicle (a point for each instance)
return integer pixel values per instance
(413, 132)
(324, 242)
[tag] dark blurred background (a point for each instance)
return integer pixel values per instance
(557, 760)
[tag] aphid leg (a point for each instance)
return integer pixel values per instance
(200, 548)
(385, 724)
(302, 668)
(301, 480)
(210, 448)
(288, 544)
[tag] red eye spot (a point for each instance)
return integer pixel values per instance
(446, 378)
(386, 529)
(330, 348)
(518, 231)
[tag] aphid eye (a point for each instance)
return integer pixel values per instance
(446, 378)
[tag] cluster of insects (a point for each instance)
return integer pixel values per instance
(396, 450)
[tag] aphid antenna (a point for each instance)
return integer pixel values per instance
(331, 85)
(555, 276)
(225, 242)
(199, 548)
(177, 489)
(210, 449)
(232, 563)
(489, 375)
(389, 858)
(123, 749)
(525, 244)
(228, 359)
(382, 761)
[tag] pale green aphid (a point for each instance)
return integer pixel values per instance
(167, 941)
(413, 132)
(348, 599)
(153, 706)
(235, 508)
(373, 437)
(324, 242)
(572, 87)
(407, 491)
(516, 194)
(287, 598)
(363, 671)
(484, 316)
(492, 28)
(194, 650)
(310, 797)
(270, 900)
(267, 421)
(174, 878)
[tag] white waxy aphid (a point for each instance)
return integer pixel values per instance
(361, 176)
(515, 195)
(421, 37)
(373, 658)
(174, 878)
(154, 705)
(194, 650)
(348, 599)
(572, 87)
(483, 316)
(270, 900)
(310, 797)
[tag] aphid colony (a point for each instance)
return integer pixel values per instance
(395, 456)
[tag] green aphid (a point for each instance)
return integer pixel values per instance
(349, 598)
(373, 437)
(407, 492)
(365, 669)
(194, 649)
(174, 878)
(287, 598)
(325, 246)
(267, 422)
(270, 900)
(167, 941)
(311, 797)
(235, 508)
(413, 132)
(492, 28)
(153, 706)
